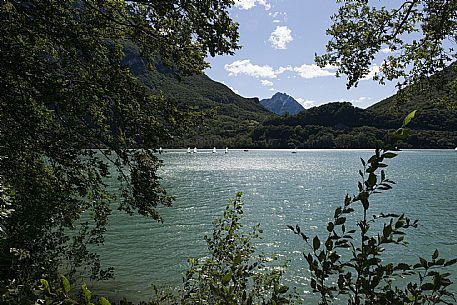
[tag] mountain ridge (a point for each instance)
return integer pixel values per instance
(228, 116)
(239, 122)
(282, 103)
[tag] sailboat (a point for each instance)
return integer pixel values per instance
(195, 150)
(188, 150)
(214, 150)
(226, 150)
(160, 150)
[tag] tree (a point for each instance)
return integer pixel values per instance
(420, 35)
(70, 110)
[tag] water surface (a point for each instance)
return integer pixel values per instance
(280, 188)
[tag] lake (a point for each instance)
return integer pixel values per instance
(280, 188)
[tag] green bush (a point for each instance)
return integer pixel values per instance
(233, 273)
(348, 264)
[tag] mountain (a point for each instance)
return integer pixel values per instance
(431, 99)
(281, 103)
(341, 125)
(227, 117)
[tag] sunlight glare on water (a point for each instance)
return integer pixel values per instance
(280, 188)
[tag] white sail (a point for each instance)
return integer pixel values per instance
(226, 150)
(214, 150)
(188, 150)
(195, 150)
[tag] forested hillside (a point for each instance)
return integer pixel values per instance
(341, 125)
(224, 118)
(226, 115)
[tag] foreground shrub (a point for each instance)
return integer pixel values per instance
(348, 263)
(233, 273)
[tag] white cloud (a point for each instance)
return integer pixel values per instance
(231, 88)
(373, 70)
(386, 50)
(310, 103)
(306, 103)
(234, 90)
(364, 98)
(266, 83)
(248, 4)
(280, 37)
(246, 67)
(284, 69)
(278, 16)
(313, 71)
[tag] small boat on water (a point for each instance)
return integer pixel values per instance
(214, 150)
(455, 149)
(226, 150)
(188, 150)
(294, 151)
(195, 150)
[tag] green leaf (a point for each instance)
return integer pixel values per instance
(423, 262)
(86, 294)
(409, 117)
(313, 283)
(103, 301)
(237, 259)
(450, 262)
(364, 199)
(65, 284)
(427, 286)
(316, 243)
(283, 289)
(337, 212)
(371, 180)
(227, 278)
(401, 133)
(340, 221)
(435, 254)
(329, 244)
(44, 285)
(330, 226)
(389, 155)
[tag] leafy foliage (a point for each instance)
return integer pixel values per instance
(417, 33)
(348, 263)
(233, 273)
(70, 108)
(217, 116)
(61, 296)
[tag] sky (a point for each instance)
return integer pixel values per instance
(279, 39)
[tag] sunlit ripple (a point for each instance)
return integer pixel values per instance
(280, 188)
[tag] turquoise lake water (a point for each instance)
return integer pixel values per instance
(280, 188)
